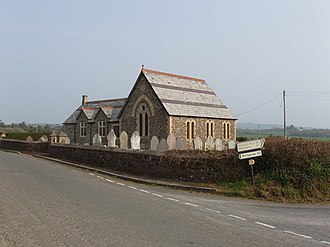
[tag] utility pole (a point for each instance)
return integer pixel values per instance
(284, 112)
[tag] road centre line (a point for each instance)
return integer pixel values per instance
(236, 217)
(92, 174)
(121, 184)
(157, 195)
(212, 210)
(131, 187)
(191, 204)
(266, 225)
(100, 177)
(325, 242)
(109, 180)
(145, 191)
(297, 234)
(172, 199)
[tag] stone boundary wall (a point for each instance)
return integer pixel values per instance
(174, 165)
(25, 146)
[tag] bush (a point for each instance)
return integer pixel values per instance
(23, 135)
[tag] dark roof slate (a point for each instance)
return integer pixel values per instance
(110, 108)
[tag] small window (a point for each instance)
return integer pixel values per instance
(102, 128)
(116, 130)
(188, 130)
(191, 129)
(226, 130)
(210, 129)
(83, 129)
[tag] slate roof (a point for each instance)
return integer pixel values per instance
(186, 96)
(111, 109)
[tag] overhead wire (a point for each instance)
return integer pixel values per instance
(257, 107)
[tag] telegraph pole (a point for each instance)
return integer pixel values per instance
(284, 112)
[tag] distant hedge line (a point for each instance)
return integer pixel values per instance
(23, 135)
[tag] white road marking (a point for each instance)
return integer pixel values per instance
(212, 210)
(236, 217)
(92, 174)
(190, 204)
(297, 234)
(121, 184)
(157, 195)
(266, 225)
(144, 191)
(325, 242)
(100, 177)
(109, 180)
(131, 187)
(172, 199)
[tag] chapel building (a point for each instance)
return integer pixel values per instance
(159, 104)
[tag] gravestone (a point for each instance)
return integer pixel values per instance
(219, 145)
(53, 137)
(29, 139)
(198, 144)
(44, 138)
(231, 144)
(111, 139)
(123, 140)
(135, 140)
(154, 143)
(162, 146)
(209, 144)
(63, 138)
(171, 141)
(178, 143)
(97, 141)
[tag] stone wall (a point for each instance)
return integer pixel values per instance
(192, 166)
(158, 118)
(25, 146)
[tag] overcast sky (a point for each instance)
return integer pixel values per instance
(52, 52)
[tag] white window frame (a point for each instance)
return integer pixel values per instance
(102, 128)
(83, 129)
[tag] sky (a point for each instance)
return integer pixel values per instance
(53, 52)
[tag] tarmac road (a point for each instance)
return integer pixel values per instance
(43, 203)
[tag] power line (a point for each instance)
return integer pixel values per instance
(257, 107)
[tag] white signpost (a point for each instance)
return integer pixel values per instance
(250, 145)
(249, 155)
(248, 150)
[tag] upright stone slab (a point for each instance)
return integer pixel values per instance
(154, 143)
(44, 138)
(231, 144)
(111, 139)
(63, 138)
(178, 143)
(53, 137)
(97, 140)
(162, 146)
(198, 144)
(123, 140)
(171, 141)
(29, 139)
(219, 145)
(135, 140)
(209, 144)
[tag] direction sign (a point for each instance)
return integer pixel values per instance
(249, 155)
(250, 145)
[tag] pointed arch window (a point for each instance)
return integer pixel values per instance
(226, 130)
(143, 120)
(191, 125)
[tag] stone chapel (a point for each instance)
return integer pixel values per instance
(159, 104)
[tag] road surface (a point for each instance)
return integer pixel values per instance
(43, 203)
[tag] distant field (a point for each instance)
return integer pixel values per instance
(314, 134)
